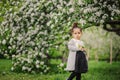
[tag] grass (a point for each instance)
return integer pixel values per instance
(97, 71)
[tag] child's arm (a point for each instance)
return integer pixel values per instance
(81, 46)
(72, 46)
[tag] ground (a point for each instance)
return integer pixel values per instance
(97, 71)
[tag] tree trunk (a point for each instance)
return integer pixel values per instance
(111, 51)
(88, 54)
(96, 56)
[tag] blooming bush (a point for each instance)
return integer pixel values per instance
(32, 62)
(34, 27)
(61, 67)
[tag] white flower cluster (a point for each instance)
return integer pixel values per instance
(100, 11)
(30, 62)
(61, 67)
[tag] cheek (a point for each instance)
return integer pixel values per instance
(79, 34)
(74, 35)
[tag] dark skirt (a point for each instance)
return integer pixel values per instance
(81, 65)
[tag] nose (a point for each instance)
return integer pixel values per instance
(77, 34)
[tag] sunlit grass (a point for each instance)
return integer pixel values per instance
(97, 71)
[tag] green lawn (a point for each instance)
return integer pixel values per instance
(97, 71)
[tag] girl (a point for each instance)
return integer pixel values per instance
(74, 45)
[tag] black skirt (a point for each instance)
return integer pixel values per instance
(81, 64)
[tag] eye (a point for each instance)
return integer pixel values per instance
(78, 32)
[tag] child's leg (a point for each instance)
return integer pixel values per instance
(78, 76)
(72, 75)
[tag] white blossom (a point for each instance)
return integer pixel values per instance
(41, 62)
(29, 69)
(4, 41)
(61, 65)
(71, 10)
(24, 68)
(37, 66)
(12, 68)
(82, 22)
(37, 62)
(13, 56)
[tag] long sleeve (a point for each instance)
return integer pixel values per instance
(72, 46)
(81, 43)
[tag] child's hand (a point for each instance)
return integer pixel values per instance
(81, 48)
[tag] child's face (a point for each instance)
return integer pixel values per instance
(76, 33)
